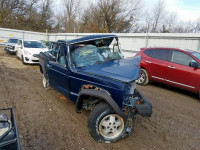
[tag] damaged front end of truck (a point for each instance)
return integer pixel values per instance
(95, 75)
(109, 87)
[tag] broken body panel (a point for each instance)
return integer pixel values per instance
(115, 76)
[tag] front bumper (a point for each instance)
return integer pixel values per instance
(144, 109)
(30, 59)
(11, 49)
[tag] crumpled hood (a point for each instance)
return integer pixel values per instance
(35, 50)
(125, 70)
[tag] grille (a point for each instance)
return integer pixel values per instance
(35, 60)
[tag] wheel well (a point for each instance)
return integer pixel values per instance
(91, 95)
(88, 102)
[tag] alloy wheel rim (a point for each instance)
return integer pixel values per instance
(44, 82)
(142, 78)
(111, 126)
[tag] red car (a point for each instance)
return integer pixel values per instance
(176, 67)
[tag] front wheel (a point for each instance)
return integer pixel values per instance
(143, 79)
(23, 62)
(45, 83)
(105, 125)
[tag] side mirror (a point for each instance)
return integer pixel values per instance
(194, 64)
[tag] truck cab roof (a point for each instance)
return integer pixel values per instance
(87, 38)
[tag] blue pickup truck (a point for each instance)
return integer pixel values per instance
(92, 72)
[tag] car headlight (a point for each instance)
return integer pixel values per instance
(27, 53)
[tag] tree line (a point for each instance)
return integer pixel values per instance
(100, 16)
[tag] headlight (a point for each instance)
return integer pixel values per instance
(27, 53)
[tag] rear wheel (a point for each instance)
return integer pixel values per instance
(143, 79)
(104, 124)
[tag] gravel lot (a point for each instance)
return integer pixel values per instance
(46, 122)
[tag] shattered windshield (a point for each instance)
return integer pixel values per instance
(87, 55)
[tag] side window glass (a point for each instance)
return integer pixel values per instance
(19, 42)
(181, 58)
(61, 59)
(162, 54)
(148, 52)
(54, 51)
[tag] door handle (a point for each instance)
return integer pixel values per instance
(148, 61)
(171, 67)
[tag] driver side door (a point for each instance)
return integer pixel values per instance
(57, 71)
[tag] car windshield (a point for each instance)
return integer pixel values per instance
(12, 40)
(88, 55)
(33, 44)
(196, 54)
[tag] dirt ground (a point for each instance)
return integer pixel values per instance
(45, 122)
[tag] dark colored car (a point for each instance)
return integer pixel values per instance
(9, 137)
(92, 72)
(176, 67)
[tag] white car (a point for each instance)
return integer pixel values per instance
(28, 50)
(10, 46)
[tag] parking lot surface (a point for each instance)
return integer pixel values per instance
(46, 122)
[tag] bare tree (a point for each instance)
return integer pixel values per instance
(7, 9)
(111, 16)
(170, 21)
(58, 24)
(197, 26)
(70, 16)
(100, 16)
(158, 14)
(45, 14)
(26, 14)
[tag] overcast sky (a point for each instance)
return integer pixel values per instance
(186, 9)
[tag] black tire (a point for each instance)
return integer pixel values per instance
(7, 52)
(23, 60)
(95, 125)
(144, 78)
